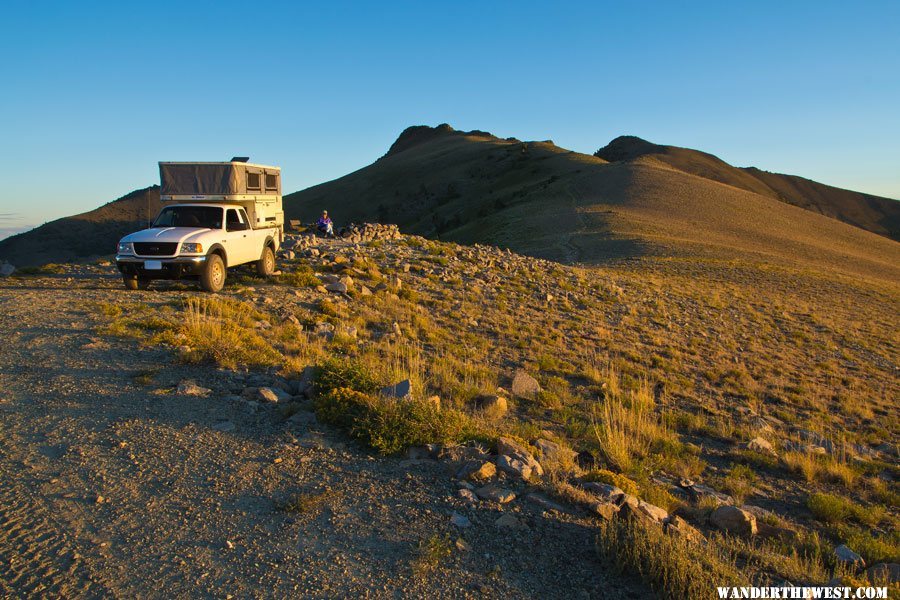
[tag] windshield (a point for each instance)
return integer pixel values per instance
(209, 217)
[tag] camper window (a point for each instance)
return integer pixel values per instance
(253, 182)
(271, 181)
(234, 222)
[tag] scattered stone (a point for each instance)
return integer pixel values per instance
(732, 519)
(467, 495)
(655, 512)
(845, 556)
(514, 466)
(189, 388)
(517, 452)
(99, 499)
(508, 521)
(605, 510)
(546, 503)
(555, 452)
(494, 493)
(462, 545)
(460, 520)
(224, 426)
(267, 394)
(678, 527)
(338, 287)
(477, 470)
(524, 385)
(761, 445)
(604, 490)
(493, 406)
(398, 390)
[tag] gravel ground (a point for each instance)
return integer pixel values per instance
(111, 486)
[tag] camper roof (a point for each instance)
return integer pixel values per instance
(224, 162)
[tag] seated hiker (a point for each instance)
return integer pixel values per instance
(324, 225)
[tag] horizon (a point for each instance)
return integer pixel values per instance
(103, 93)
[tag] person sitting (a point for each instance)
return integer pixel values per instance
(324, 225)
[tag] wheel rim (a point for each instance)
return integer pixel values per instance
(217, 275)
(270, 262)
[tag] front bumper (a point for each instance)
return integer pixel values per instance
(172, 268)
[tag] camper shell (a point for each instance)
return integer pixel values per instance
(257, 188)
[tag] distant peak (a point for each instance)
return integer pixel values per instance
(626, 147)
(419, 134)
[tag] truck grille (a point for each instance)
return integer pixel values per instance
(155, 248)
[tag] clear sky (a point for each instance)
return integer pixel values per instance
(93, 94)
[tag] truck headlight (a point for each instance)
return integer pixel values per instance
(126, 248)
(192, 248)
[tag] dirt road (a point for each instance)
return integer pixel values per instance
(113, 485)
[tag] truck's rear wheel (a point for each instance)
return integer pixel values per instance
(265, 266)
(135, 283)
(212, 279)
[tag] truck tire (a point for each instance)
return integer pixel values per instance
(212, 279)
(265, 266)
(135, 283)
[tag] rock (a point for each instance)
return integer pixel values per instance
(492, 406)
(884, 574)
(477, 470)
(398, 390)
(514, 451)
(419, 452)
(634, 513)
(555, 453)
(508, 521)
(605, 491)
(364, 291)
(515, 467)
(460, 520)
(845, 556)
(524, 385)
(732, 519)
(99, 499)
(224, 426)
(678, 527)
(189, 388)
(494, 493)
(467, 495)
(267, 394)
(462, 545)
(6, 269)
(605, 510)
(655, 512)
(459, 452)
(546, 503)
(338, 287)
(761, 445)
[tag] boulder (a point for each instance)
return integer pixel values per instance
(845, 556)
(492, 405)
(477, 470)
(402, 389)
(189, 388)
(508, 521)
(514, 466)
(524, 385)
(267, 394)
(339, 287)
(732, 519)
(633, 513)
(6, 269)
(605, 510)
(460, 520)
(654, 512)
(761, 445)
(605, 491)
(494, 493)
(678, 527)
(555, 452)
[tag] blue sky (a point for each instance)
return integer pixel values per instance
(94, 94)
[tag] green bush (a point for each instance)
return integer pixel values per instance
(829, 508)
(338, 373)
(389, 425)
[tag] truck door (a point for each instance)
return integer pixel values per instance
(238, 244)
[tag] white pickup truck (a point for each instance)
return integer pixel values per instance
(227, 214)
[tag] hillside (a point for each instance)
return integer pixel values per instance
(872, 213)
(636, 199)
(94, 233)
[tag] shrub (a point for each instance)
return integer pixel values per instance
(739, 482)
(673, 566)
(829, 508)
(223, 332)
(620, 481)
(337, 373)
(389, 425)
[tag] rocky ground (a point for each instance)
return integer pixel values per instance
(128, 471)
(115, 488)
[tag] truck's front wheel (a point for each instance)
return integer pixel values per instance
(135, 283)
(212, 279)
(265, 266)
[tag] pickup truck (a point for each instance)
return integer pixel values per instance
(226, 214)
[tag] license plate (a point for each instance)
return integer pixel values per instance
(153, 265)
